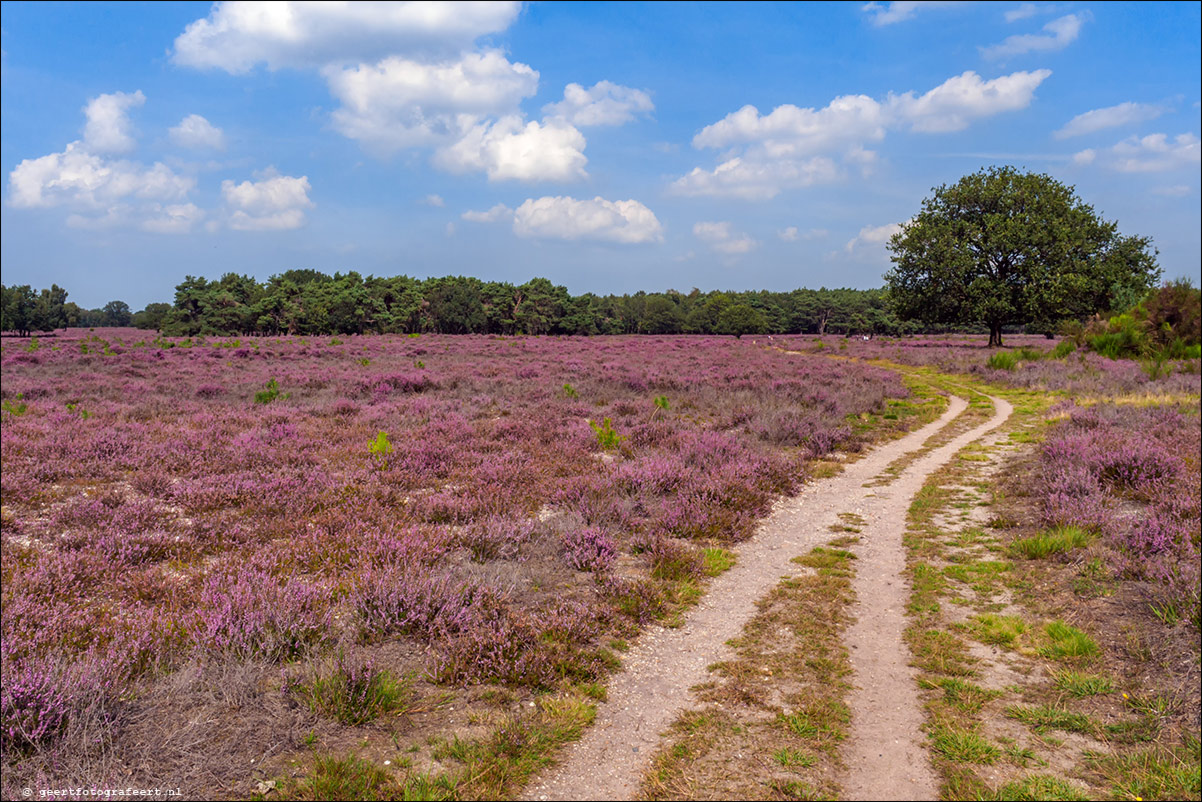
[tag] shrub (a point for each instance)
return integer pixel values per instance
(1062, 350)
(420, 606)
(588, 549)
(1173, 313)
(34, 705)
(246, 613)
(1002, 360)
(18, 407)
(1122, 338)
(380, 448)
(270, 393)
(607, 438)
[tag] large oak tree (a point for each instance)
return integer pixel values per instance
(1001, 247)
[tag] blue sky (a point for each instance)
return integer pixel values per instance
(608, 147)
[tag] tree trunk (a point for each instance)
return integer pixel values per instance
(995, 335)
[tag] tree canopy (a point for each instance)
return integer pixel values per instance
(1004, 248)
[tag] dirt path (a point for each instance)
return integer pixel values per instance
(885, 755)
(607, 763)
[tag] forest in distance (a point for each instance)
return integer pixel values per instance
(309, 302)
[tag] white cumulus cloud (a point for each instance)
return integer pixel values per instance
(1156, 153)
(721, 238)
(605, 103)
(524, 151)
(1109, 117)
(788, 234)
(872, 236)
(197, 133)
(276, 202)
(557, 217)
(763, 154)
(108, 129)
(958, 101)
(412, 75)
(236, 36)
(400, 103)
(98, 191)
(78, 178)
(1058, 34)
(789, 130)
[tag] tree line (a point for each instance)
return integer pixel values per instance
(24, 310)
(308, 302)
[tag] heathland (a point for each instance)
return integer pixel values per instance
(386, 566)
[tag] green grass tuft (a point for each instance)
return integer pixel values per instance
(1047, 717)
(963, 746)
(717, 561)
(1067, 642)
(1080, 684)
(1059, 540)
(1040, 787)
(1002, 630)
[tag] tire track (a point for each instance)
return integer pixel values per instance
(885, 753)
(608, 762)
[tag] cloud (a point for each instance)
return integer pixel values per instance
(277, 202)
(872, 236)
(720, 238)
(604, 104)
(108, 129)
(434, 200)
(882, 14)
(790, 131)
(81, 179)
(755, 179)
(788, 234)
(1022, 12)
(236, 36)
(1155, 153)
(399, 103)
(197, 133)
(1086, 156)
(1060, 33)
(598, 219)
(509, 149)
(1109, 117)
(956, 102)
(797, 147)
(496, 213)
(101, 192)
(409, 75)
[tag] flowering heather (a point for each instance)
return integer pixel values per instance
(158, 508)
(588, 549)
(1132, 474)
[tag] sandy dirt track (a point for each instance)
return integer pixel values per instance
(885, 757)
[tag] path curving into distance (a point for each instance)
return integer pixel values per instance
(658, 672)
(884, 754)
